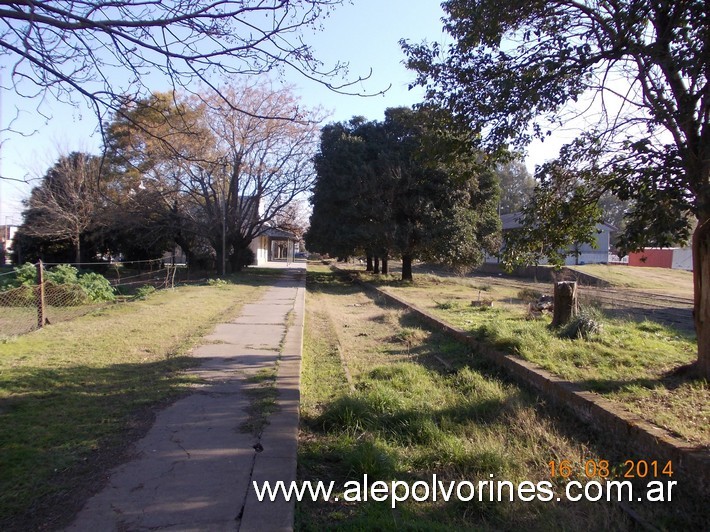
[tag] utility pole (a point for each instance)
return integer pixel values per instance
(224, 234)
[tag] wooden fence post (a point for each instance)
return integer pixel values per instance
(565, 304)
(40, 295)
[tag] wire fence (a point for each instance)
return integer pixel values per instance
(52, 293)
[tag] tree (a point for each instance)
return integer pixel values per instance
(351, 197)
(642, 67)
(410, 186)
(65, 205)
(516, 185)
(70, 49)
(221, 174)
(293, 218)
(148, 145)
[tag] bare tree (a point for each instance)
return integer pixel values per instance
(258, 167)
(69, 49)
(65, 205)
(224, 174)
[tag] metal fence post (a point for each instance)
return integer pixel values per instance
(40, 295)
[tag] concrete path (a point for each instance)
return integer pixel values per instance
(194, 469)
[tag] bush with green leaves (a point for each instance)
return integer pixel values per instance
(25, 275)
(144, 291)
(65, 286)
(62, 274)
(96, 287)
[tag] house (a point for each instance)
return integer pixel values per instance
(582, 254)
(271, 244)
(274, 244)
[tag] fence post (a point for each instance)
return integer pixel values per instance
(40, 295)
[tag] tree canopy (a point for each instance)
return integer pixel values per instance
(106, 52)
(188, 171)
(638, 73)
(405, 187)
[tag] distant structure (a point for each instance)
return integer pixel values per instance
(580, 254)
(674, 258)
(7, 235)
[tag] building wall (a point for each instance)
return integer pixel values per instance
(587, 255)
(676, 258)
(260, 247)
(682, 259)
(652, 258)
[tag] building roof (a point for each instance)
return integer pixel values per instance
(273, 232)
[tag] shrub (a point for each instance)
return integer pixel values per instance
(64, 295)
(22, 296)
(447, 305)
(529, 295)
(62, 274)
(244, 257)
(144, 291)
(96, 287)
(585, 325)
(26, 275)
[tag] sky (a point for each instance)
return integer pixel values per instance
(365, 34)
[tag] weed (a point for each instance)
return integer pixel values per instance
(447, 305)
(528, 295)
(585, 325)
(144, 292)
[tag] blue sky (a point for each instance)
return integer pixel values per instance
(364, 33)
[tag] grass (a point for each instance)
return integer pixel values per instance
(410, 417)
(632, 363)
(73, 395)
(678, 282)
(262, 400)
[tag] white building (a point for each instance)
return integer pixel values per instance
(585, 253)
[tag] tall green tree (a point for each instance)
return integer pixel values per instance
(408, 186)
(516, 185)
(351, 198)
(640, 66)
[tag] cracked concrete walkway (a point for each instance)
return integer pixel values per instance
(194, 469)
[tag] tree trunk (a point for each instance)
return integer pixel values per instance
(407, 268)
(77, 250)
(369, 263)
(376, 268)
(385, 265)
(701, 282)
(565, 304)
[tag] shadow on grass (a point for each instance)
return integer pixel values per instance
(61, 429)
(671, 380)
(395, 426)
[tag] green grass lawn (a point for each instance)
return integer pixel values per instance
(678, 282)
(422, 404)
(630, 362)
(73, 395)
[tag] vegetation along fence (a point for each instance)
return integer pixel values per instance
(34, 295)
